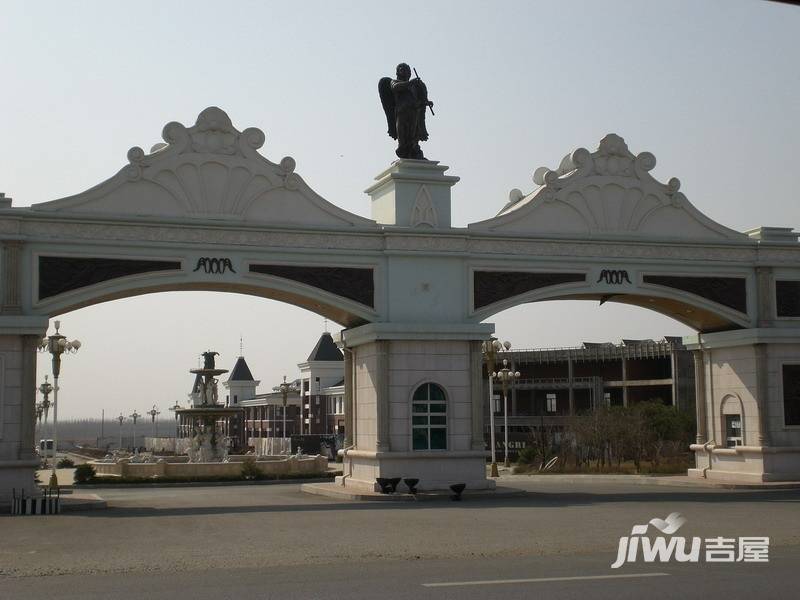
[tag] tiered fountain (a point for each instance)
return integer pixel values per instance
(204, 428)
(206, 418)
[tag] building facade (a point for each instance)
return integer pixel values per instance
(314, 400)
(557, 383)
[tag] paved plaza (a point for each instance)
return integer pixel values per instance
(218, 542)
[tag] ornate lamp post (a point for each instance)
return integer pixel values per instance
(284, 388)
(39, 412)
(175, 408)
(154, 412)
(121, 419)
(135, 416)
(45, 390)
(506, 376)
(56, 345)
(490, 349)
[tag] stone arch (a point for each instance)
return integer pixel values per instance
(336, 308)
(701, 313)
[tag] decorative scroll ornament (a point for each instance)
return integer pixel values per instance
(209, 170)
(609, 191)
(213, 133)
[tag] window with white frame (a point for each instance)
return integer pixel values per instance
(733, 430)
(551, 403)
(429, 418)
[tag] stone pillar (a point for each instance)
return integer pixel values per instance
(390, 361)
(673, 364)
(762, 393)
(477, 395)
(624, 382)
(412, 193)
(349, 386)
(11, 277)
(570, 375)
(382, 399)
(700, 395)
(765, 295)
(28, 391)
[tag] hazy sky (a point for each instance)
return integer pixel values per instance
(711, 88)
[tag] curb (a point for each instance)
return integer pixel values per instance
(666, 480)
(119, 486)
(332, 490)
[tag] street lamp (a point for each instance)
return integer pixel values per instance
(45, 390)
(121, 419)
(154, 412)
(284, 388)
(506, 376)
(490, 349)
(135, 416)
(175, 408)
(57, 345)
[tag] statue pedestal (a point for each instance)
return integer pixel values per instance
(412, 193)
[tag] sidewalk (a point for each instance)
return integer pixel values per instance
(670, 480)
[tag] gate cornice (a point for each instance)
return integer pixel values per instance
(27, 225)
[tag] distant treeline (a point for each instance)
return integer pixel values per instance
(84, 429)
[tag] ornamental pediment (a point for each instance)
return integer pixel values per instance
(606, 192)
(210, 171)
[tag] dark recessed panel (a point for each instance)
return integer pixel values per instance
(349, 282)
(494, 286)
(791, 394)
(59, 274)
(728, 291)
(787, 298)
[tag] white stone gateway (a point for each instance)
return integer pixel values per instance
(205, 211)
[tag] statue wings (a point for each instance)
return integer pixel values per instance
(387, 100)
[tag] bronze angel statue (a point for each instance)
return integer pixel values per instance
(405, 101)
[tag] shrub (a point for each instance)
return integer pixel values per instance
(65, 463)
(249, 469)
(84, 473)
(527, 456)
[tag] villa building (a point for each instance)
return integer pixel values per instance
(556, 383)
(314, 401)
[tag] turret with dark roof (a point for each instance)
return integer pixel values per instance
(241, 372)
(325, 350)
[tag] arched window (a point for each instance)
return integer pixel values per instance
(732, 412)
(429, 418)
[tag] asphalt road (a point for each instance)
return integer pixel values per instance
(578, 576)
(276, 542)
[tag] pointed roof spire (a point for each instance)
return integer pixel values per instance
(241, 345)
(240, 371)
(326, 350)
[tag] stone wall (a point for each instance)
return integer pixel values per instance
(292, 465)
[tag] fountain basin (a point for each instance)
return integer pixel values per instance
(269, 466)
